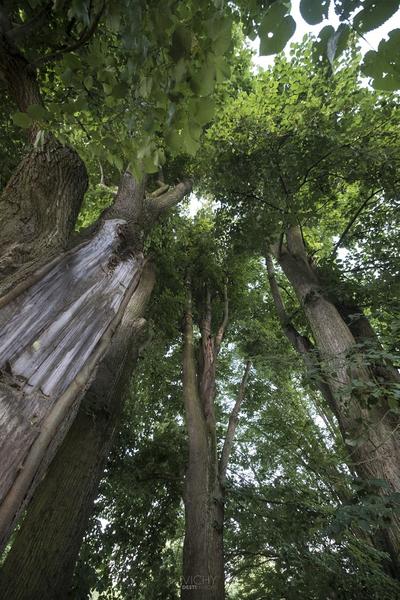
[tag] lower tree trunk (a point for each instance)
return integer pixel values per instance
(41, 561)
(203, 559)
(203, 552)
(371, 431)
(54, 335)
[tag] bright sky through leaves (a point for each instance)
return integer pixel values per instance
(370, 42)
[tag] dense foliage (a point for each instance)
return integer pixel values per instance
(309, 143)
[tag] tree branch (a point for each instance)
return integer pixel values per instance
(84, 38)
(170, 197)
(352, 221)
(222, 328)
(232, 425)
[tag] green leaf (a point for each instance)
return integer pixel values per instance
(276, 29)
(88, 82)
(320, 46)
(120, 90)
(375, 14)
(203, 80)
(37, 112)
(174, 140)
(337, 42)
(314, 11)
(383, 66)
(181, 43)
(202, 110)
(22, 120)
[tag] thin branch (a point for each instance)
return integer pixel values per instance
(160, 190)
(264, 201)
(352, 221)
(84, 38)
(222, 328)
(232, 425)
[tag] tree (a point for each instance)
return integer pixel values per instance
(93, 68)
(291, 162)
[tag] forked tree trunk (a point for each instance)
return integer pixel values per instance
(58, 325)
(47, 544)
(371, 431)
(204, 493)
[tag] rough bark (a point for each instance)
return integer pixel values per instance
(204, 495)
(40, 203)
(301, 344)
(364, 420)
(196, 576)
(45, 556)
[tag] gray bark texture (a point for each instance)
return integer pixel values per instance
(45, 556)
(57, 328)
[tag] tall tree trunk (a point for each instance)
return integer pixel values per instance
(196, 578)
(204, 494)
(46, 546)
(371, 431)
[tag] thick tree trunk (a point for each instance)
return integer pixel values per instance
(58, 325)
(53, 336)
(371, 432)
(39, 205)
(45, 555)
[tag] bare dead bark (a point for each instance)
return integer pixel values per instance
(46, 556)
(51, 354)
(49, 350)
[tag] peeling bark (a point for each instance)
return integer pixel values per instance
(59, 324)
(46, 556)
(52, 339)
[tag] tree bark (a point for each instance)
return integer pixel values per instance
(204, 495)
(45, 556)
(39, 205)
(49, 350)
(371, 431)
